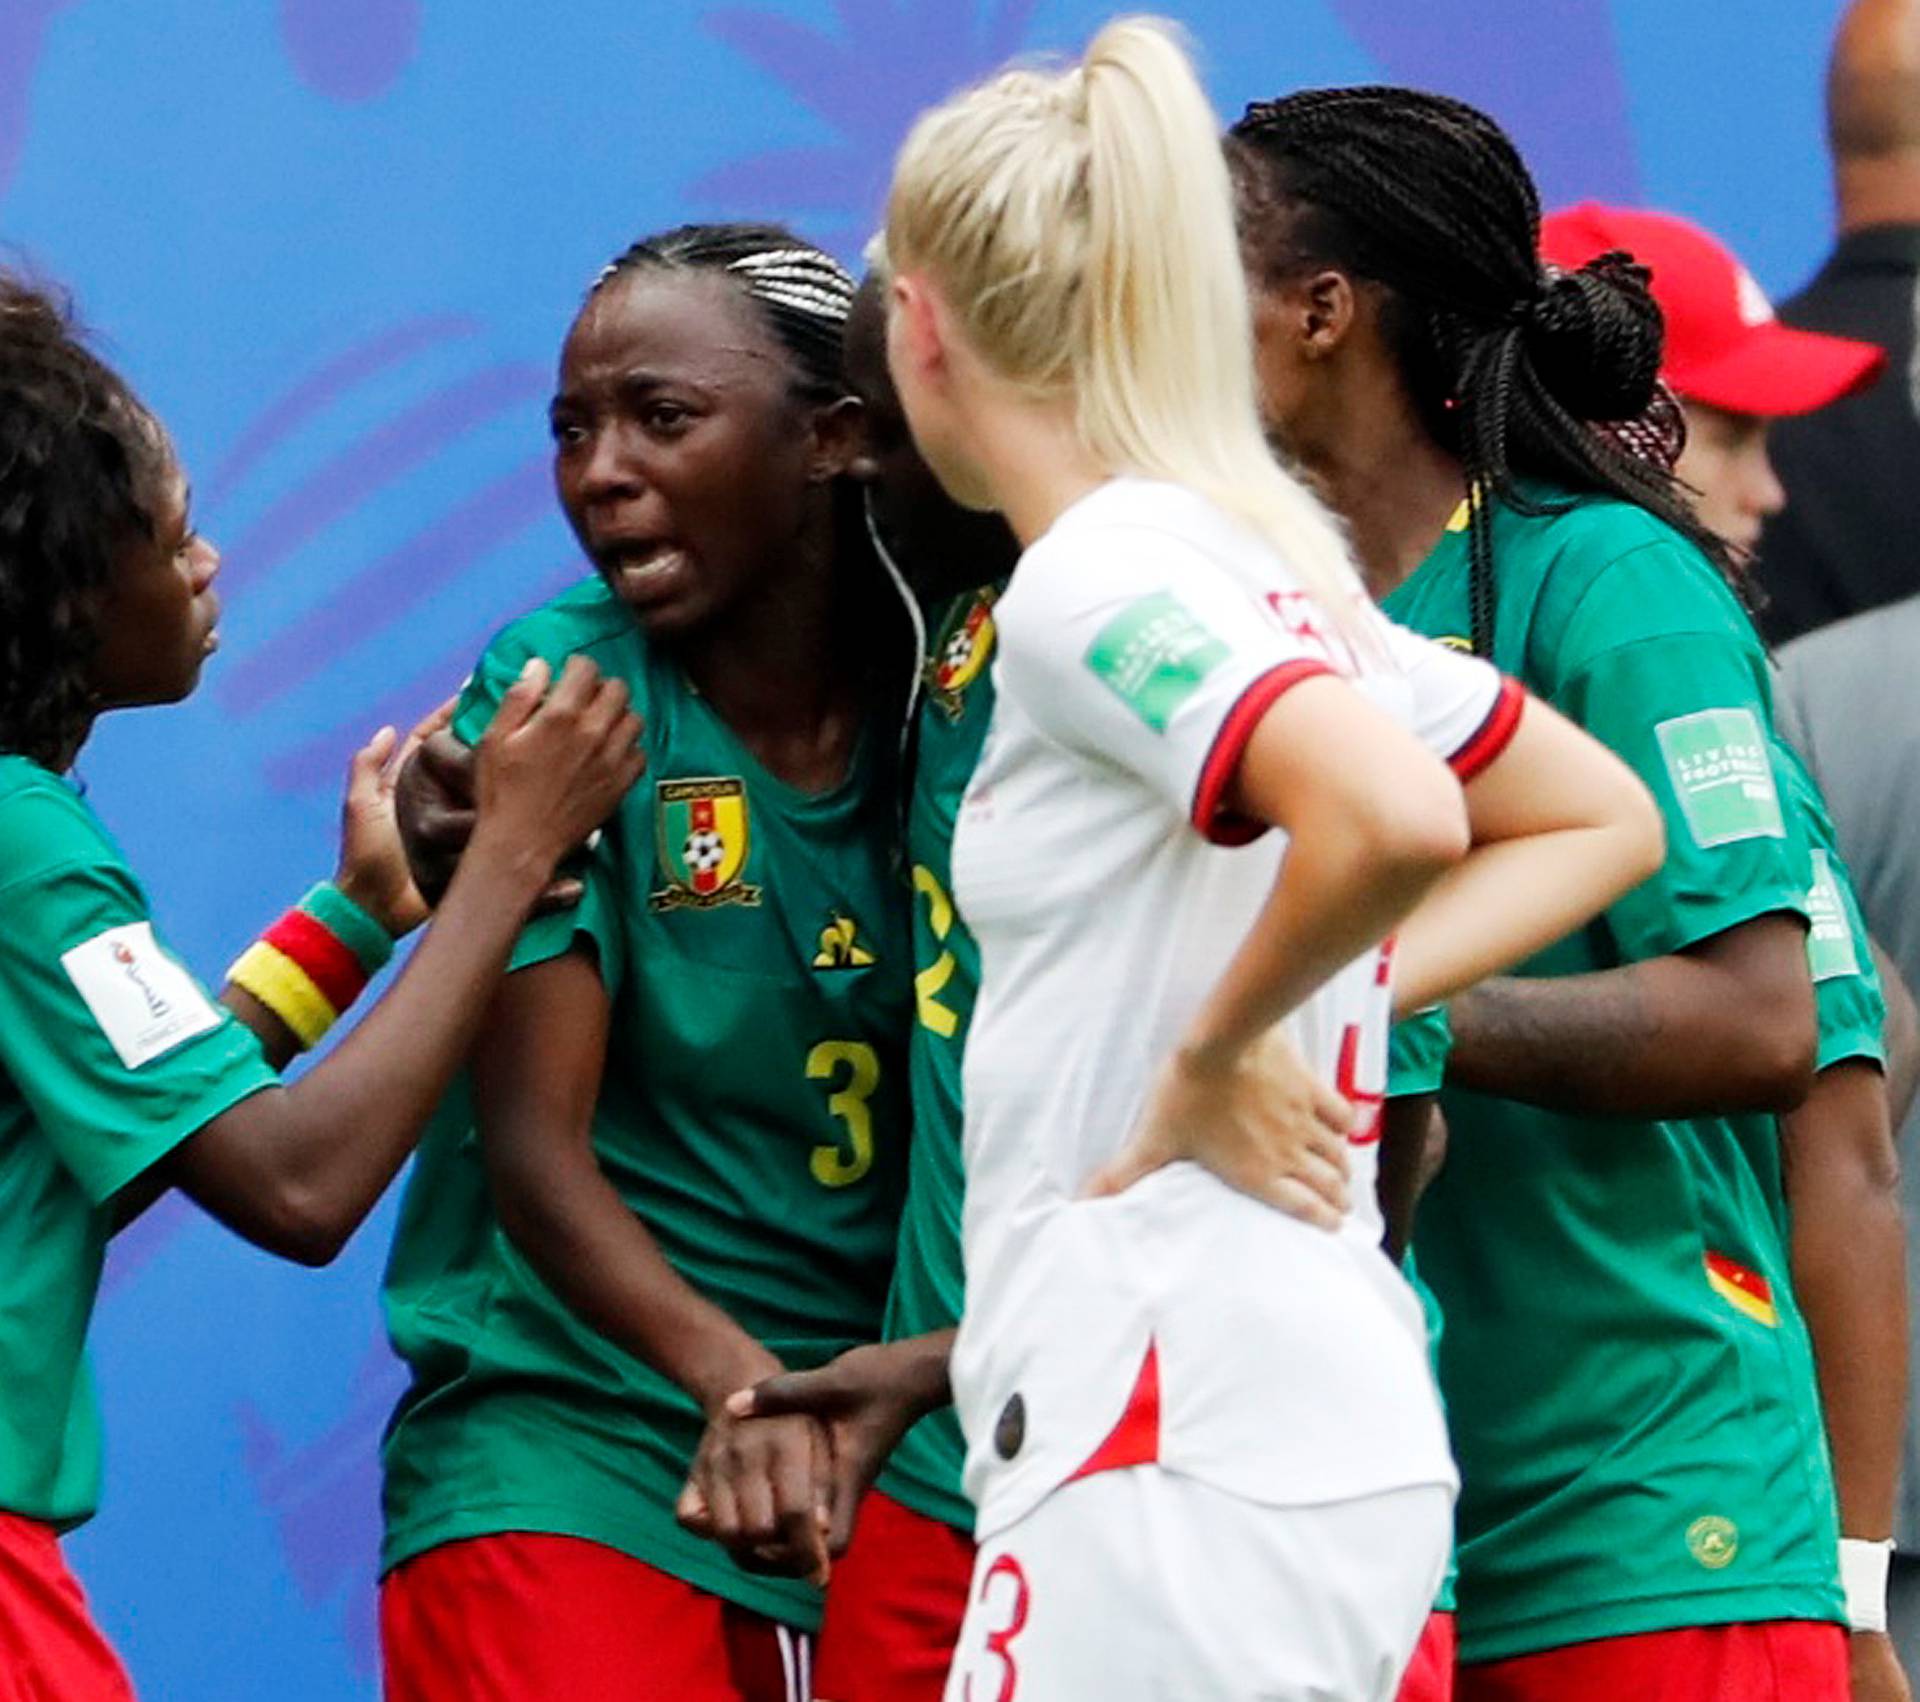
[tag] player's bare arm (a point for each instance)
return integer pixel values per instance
(1901, 1035)
(1561, 828)
(373, 870)
(1413, 1144)
(1726, 1026)
(1362, 851)
(296, 1169)
(536, 1077)
(1849, 1271)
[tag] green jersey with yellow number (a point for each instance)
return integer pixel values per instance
(955, 709)
(753, 1114)
(1629, 1381)
(111, 1055)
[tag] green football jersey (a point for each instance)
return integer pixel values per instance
(1629, 1382)
(956, 707)
(110, 1056)
(753, 1113)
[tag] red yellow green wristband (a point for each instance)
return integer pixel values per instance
(311, 965)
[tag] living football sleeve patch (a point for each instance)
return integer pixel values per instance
(1830, 948)
(1722, 774)
(144, 1002)
(1154, 655)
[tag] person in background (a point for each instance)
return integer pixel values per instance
(1733, 370)
(1845, 541)
(1847, 703)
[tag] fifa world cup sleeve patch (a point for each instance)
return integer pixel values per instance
(1154, 655)
(1722, 774)
(1830, 949)
(144, 1002)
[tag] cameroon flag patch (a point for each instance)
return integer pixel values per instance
(1746, 1291)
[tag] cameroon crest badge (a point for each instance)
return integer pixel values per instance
(961, 653)
(702, 831)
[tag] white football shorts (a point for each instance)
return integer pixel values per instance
(1144, 1586)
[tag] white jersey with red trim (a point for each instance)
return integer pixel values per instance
(1141, 641)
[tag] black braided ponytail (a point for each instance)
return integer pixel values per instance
(1511, 366)
(81, 466)
(803, 293)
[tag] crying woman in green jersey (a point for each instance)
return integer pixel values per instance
(676, 1164)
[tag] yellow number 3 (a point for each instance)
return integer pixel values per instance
(836, 1166)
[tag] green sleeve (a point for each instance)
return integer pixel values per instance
(118, 1052)
(1417, 1053)
(1846, 986)
(596, 919)
(597, 916)
(1691, 715)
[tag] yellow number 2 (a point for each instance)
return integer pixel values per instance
(836, 1166)
(929, 983)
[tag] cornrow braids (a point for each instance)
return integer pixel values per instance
(1518, 369)
(81, 462)
(803, 293)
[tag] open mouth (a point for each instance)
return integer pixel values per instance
(641, 570)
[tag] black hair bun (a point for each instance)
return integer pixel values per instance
(1594, 338)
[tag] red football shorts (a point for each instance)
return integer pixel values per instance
(522, 1617)
(49, 1645)
(894, 1607)
(1784, 1660)
(1429, 1675)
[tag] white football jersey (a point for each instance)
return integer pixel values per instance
(1142, 640)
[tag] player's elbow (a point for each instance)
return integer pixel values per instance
(1417, 832)
(1641, 832)
(1774, 1054)
(296, 1222)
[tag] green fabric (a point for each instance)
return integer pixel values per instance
(1417, 1053)
(1637, 1453)
(350, 925)
(76, 1126)
(1846, 986)
(753, 1114)
(924, 1472)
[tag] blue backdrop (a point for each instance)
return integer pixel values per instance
(336, 243)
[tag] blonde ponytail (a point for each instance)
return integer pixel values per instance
(1081, 226)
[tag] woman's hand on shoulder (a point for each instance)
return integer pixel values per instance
(554, 765)
(373, 868)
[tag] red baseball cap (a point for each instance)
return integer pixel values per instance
(1724, 346)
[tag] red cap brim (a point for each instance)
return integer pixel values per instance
(1775, 371)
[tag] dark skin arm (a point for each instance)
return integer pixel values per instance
(1725, 1026)
(295, 1169)
(1849, 1272)
(1901, 1036)
(536, 1077)
(1413, 1142)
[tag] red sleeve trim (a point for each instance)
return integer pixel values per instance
(1223, 827)
(1494, 734)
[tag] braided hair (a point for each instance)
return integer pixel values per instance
(1511, 366)
(801, 291)
(82, 463)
